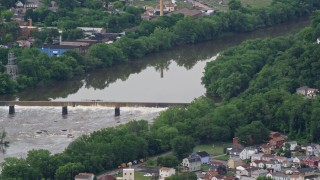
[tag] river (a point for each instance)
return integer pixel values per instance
(142, 80)
(138, 81)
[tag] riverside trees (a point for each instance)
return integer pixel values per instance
(151, 37)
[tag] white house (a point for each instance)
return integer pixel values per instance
(273, 164)
(256, 156)
(293, 145)
(313, 149)
(165, 172)
(258, 163)
(247, 152)
(298, 159)
(128, 174)
(192, 163)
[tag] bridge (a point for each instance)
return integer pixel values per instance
(65, 104)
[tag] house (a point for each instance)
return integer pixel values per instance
(306, 171)
(235, 151)
(259, 173)
(273, 165)
(19, 4)
(192, 163)
(210, 175)
(296, 177)
(274, 135)
(213, 175)
(298, 159)
(23, 43)
(84, 176)
(307, 92)
(128, 174)
(92, 30)
(286, 164)
(187, 12)
(278, 176)
(169, 7)
(312, 149)
(277, 142)
(26, 30)
(280, 159)
(165, 172)
(268, 157)
(32, 4)
(266, 148)
(204, 156)
(311, 161)
(234, 162)
(258, 163)
(293, 145)
(54, 6)
(245, 171)
(247, 152)
(256, 156)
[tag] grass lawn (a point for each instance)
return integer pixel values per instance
(245, 3)
(223, 158)
(217, 150)
(256, 3)
(204, 167)
(139, 176)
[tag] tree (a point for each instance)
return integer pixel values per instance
(68, 171)
(234, 5)
(253, 133)
(182, 146)
(168, 161)
(42, 162)
(18, 168)
(3, 143)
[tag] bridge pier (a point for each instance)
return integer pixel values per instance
(117, 111)
(64, 110)
(12, 109)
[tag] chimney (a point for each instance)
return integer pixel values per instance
(236, 141)
(161, 7)
(30, 22)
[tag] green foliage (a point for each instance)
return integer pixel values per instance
(264, 178)
(168, 161)
(253, 133)
(234, 5)
(183, 176)
(182, 146)
(68, 171)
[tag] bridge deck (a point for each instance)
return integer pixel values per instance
(89, 103)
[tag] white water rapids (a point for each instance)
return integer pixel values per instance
(45, 127)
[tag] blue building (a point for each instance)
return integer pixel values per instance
(57, 50)
(204, 156)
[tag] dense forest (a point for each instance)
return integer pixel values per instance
(150, 37)
(270, 70)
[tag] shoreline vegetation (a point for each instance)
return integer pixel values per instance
(257, 79)
(152, 36)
